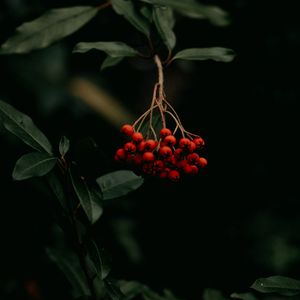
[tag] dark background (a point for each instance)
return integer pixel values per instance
(237, 221)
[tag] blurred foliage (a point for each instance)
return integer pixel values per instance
(238, 222)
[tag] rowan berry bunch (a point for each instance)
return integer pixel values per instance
(169, 153)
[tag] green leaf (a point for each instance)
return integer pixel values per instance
(127, 10)
(113, 290)
(88, 198)
(213, 53)
(146, 11)
(277, 284)
(64, 146)
(99, 257)
(118, 183)
(70, 266)
(57, 188)
(212, 294)
(110, 62)
(22, 126)
(192, 8)
(164, 21)
(243, 296)
(113, 49)
(52, 26)
(33, 164)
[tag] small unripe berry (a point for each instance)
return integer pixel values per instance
(127, 129)
(165, 151)
(199, 142)
(202, 162)
(148, 157)
(165, 132)
(174, 175)
(184, 143)
(170, 140)
(150, 145)
(130, 147)
(137, 137)
(120, 155)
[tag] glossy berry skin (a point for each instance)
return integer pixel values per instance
(127, 129)
(199, 142)
(174, 175)
(137, 137)
(120, 155)
(165, 151)
(150, 145)
(130, 147)
(202, 162)
(148, 157)
(184, 143)
(170, 140)
(165, 132)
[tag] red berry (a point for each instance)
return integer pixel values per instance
(190, 169)
(182, 163)
(148, 157)
(138, 159)
(165, 151)
(163, 175)
(130, 147)
(171, 161)
(174, 175)
(120, 154)
(158, 165)
(184, 143)
(165, 132)
(192, 147)
(202, 162)
(141, 146)
(148, 168)
(127, 129)
(178, 153)
(137, 137)
(193, 158)
(150, 145)
(199, 142)
(170, 140)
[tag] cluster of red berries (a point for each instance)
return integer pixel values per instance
(166, 158)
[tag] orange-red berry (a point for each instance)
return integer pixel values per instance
(174, 175)
(190, 169)
(148, 157)
(130, 147)
(165, 132)
(137, 137)
(199, 142)
(150, 145)
(202, 162)
(184, 143)
(127, 129)
(193, 158)
(170, 140)
(165, 151)
(192, 147)
(120, 154)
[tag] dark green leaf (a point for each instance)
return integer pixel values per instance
(64, 146)
(243, 296)
(213, 53)
(88, 198)
(119, 183)
(146, 11)
(70, 266)
(100, 260)
(113, 290)
(192, 8)
(33, 164)
(57, 189)
(212, 294)
(277, 284)
(22, 126)
(113, 49)
(52, 26)
(164, 21)
(131, 289)
(110, 62)
(127, 10)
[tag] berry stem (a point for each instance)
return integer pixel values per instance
(103, 5)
